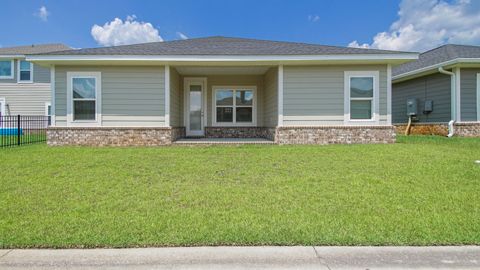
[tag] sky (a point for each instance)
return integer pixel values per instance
(408, 25)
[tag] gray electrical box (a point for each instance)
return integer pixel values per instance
(428, 107)
(412, 107)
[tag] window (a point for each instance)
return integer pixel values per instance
(234, 106)
(361, 96)
(6, 69)
(48, 112)
(84, 97)
(24, 71)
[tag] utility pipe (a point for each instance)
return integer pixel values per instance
(451, 130)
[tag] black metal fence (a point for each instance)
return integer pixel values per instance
(17, 130)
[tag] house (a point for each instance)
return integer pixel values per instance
(24, 86)
(445, 85)
(220, 87)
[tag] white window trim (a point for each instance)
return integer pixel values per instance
(375, 120)
(98, 100)
(478, 97)
(18, 72)
(2, 106)
(12, 70)
(46, 108)
(253, 88)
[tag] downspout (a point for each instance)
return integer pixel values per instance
(451, 130)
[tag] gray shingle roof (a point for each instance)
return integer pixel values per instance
(34, 49)
(438, 55)
(222, 46)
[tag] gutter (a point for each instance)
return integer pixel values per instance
(453, 109)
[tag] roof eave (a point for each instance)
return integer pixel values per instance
(386, 58)
(11, 56)
(432, 69)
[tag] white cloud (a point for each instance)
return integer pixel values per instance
(425, 24)
(130, 31)
(42, 13)
(356, 45)
(182, 35)
(313, 18)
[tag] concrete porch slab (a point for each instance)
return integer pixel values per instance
(210, 141)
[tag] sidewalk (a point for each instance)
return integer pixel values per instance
(463, 257)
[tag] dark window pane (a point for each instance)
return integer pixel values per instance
(24, 75)
(84, 110)
(224, 97)
(244, 114)
(225, 114)
(83, 87)
(361, 109)
(361, 87)
(244, 97)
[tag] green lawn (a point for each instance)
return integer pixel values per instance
(420, 191)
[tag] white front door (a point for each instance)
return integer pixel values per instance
(195, 106)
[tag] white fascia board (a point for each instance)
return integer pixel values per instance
(223, 58)
(419, 72)
(12, 56)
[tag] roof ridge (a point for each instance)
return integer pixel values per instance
(305, 43)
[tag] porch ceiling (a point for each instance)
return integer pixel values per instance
(239, 70)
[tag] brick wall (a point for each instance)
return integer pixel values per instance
(103, 136)
(240, 132)
(424, 129)
(335, 135)
(467, 129)
(464, 129)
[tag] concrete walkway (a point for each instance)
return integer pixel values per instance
(464, 257)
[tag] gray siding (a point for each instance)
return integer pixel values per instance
(131, 96)
(314, 95)
(270, 98)
(434, 87)
(468, 94)
(25, 99)
(40, 74)
(176, 98)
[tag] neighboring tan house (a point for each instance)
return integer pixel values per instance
(445, 84)
(25, 87)
(219, 87)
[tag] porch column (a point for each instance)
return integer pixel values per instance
(389, 94)
(167, 95)
(280, 95)
(52, 96)
(458, 114)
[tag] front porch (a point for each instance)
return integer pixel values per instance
(224, 102)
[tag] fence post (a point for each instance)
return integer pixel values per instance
(18, 129)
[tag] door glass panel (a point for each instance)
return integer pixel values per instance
(195, 107)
